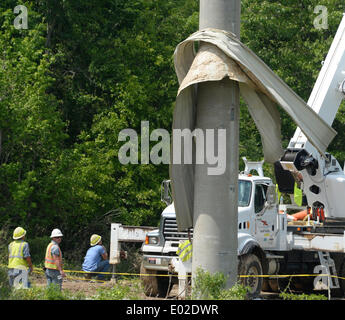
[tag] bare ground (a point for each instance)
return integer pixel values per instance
(89, 288)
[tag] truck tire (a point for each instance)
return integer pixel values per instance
(250, 265)
(153, 286)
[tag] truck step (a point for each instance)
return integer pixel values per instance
(328, 262)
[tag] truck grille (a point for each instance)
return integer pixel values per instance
(170, 231)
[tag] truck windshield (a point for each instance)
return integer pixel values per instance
(244, 192)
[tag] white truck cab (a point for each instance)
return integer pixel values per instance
(269, 243)
(258, 225)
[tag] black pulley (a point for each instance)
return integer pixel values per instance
(284, 178)
(304, 160)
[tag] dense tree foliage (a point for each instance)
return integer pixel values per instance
(85, 70)
(282, 33)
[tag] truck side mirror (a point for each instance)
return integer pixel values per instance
(165, 192)
(271, 195)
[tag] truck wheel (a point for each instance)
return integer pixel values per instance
(250, 265)
(153, 285)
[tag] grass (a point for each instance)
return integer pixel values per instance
(302, 296)
(212, 287)
(207, 286)
(124, 289)
(131, 290)
(50, 293)
(5, 290)
(288, 294)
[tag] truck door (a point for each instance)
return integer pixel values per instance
(265, 219)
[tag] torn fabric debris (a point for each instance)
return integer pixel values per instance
(223, 55)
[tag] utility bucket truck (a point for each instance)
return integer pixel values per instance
(271, 241)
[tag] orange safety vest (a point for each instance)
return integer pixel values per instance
(49, 262)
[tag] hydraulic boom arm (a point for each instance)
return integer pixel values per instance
(323, 178)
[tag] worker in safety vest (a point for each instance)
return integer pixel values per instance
(185, 249)
(298, 194)
(96, 259)
(279, 195)
(19, 259)
(53, 260)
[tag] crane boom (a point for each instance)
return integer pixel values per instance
(329, 89)
(323, 178)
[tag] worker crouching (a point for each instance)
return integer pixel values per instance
(96, 259)
(53, 260)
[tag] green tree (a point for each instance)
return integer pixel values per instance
(85, 70)
(31, 130)
(283, 35)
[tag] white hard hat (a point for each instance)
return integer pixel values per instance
(56, 233)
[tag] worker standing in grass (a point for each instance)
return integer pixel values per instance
(96, 259)
(19, 260)
(53, 260)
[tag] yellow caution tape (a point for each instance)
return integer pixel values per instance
(272, 276)
(122, 273)
(40, 271)
(290, 275)
(240, 276)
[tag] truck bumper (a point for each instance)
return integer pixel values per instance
(159, 263)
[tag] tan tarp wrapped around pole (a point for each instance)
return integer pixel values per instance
(223, 55)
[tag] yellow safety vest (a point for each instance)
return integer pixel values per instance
(278, 193)
(185, 250)
(16, 258)
(298, 195)
(49, 262)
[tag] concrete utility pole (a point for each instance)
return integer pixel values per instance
(216, 196)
